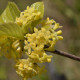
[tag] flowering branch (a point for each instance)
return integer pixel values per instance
(65, 54)
(27, 33)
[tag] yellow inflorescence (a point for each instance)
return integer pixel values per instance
(37, 43)
(27, 16)
(41, 40)
(27, 69)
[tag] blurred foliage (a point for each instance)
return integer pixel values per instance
(67, 13)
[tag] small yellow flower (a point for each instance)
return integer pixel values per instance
(17, 46)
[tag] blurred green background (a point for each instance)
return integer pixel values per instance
(67, 13)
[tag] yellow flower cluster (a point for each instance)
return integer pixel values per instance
(28, 15)
(39, 36)
(35, 45)
(27, 69)
(41, 40)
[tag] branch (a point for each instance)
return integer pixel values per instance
(65, 54)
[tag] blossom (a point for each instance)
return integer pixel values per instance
(26, 69)
(28, 15)
(39, 35)
(41, 40)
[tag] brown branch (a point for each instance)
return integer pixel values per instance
(65, 54)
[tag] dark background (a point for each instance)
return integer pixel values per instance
(67, 13)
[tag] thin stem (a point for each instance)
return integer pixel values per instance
(65, 54)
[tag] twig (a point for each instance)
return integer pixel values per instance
(65, 54)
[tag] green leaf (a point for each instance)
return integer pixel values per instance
(11, 30)
(10, 13)
(40, 7)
